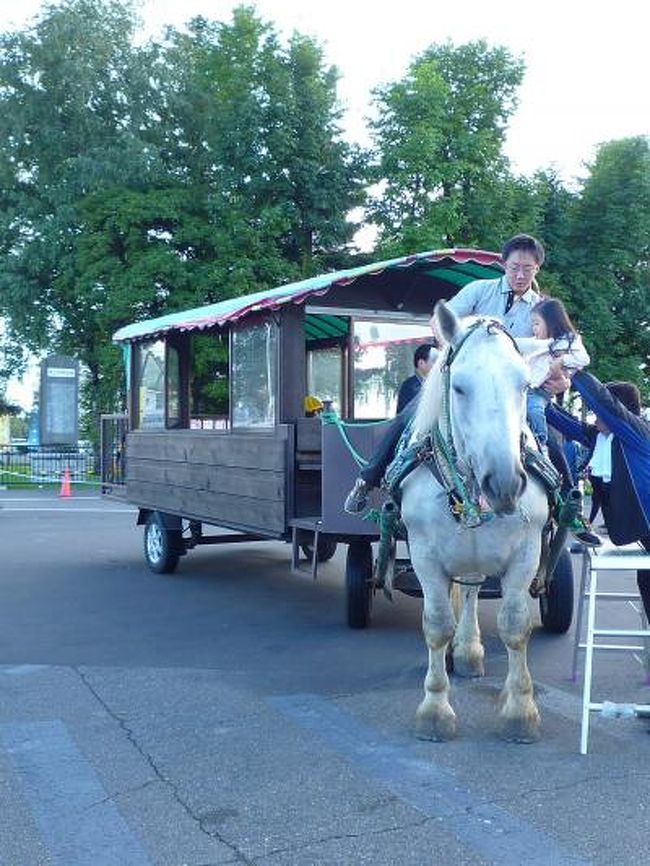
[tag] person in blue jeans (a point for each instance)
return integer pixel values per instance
(555, 341)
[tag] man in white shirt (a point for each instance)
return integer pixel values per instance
(511, 298)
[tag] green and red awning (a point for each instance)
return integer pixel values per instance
(454, 266)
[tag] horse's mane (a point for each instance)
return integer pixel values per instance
(430, 400)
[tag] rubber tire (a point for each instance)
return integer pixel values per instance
(162, 546)
(556, 608)
(325, 551)
(358, 584)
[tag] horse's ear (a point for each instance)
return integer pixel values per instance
(447, 322)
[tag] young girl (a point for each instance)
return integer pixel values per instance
(555, 343)
(555, 347)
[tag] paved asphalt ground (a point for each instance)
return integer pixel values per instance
(226, 714)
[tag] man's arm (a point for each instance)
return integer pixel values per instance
(464, 302)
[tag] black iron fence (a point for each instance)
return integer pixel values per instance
(113, 452)
(20, 465)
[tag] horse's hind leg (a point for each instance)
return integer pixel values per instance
(519, 715)
(435, 718)
(468, 652)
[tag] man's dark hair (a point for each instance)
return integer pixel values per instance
(628, 394)
(526, 244)
(422, 353)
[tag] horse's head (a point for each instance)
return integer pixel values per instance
(479, 388)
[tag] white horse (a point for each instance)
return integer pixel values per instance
(474, 405)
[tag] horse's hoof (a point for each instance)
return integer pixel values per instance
(520, 730)
(438, 729)
(468, 668)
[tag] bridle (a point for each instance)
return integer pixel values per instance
(460, 484)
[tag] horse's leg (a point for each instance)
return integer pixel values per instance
(468, 652)
(435, 718)
(519, 716)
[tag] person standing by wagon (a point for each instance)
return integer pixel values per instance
(619, 442)
(423, 360)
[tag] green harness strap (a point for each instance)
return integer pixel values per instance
(332, 418)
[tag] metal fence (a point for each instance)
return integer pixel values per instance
(113, 452)
(20, 466)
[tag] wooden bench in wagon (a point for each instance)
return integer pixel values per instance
(217, 428)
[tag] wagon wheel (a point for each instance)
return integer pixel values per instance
(556, 604)
(325, 549)
(358, 584)
(162, 546)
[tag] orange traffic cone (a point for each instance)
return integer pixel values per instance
(65, 484)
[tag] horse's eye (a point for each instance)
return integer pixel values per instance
(458, 390)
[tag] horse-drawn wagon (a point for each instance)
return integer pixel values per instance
(218, 427)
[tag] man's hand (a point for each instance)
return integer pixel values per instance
(558, 380)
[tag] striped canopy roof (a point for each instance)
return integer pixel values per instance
(455, 266)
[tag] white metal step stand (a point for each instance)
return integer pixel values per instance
(629, 557)
(631, 596)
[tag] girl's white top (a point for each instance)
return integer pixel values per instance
(540, 354)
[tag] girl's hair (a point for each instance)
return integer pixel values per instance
(557, 321)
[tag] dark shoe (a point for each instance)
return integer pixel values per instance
(357, 499)
(586, 537)
(405, 580)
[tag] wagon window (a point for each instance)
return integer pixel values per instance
(325, 375)
(209, 381)
(174, 417)
(254, 354)
(383, 358)
(150, 379)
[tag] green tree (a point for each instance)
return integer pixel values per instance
(140, 180)
(73, 107)
(607, 272)
(259, 129)
(438, 146)
(319, 174)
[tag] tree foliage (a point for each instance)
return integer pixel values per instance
(608, 260)
(438, 147)
(142, 179)
(137, 179)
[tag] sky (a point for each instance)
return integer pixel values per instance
(587, 71)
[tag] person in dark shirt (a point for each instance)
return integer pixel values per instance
(619, 442)
(423, 360)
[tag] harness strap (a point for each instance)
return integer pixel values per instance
(332, 418)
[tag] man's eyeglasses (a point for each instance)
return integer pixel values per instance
(526, 270)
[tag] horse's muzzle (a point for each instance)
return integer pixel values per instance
(503, 493)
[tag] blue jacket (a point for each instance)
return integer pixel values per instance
(627, 512)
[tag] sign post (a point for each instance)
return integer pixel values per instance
(59, 401)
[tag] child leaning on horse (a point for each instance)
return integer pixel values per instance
(510, 298)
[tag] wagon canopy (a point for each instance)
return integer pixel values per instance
(409, 283)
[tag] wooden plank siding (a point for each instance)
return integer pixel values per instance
(236, 480)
